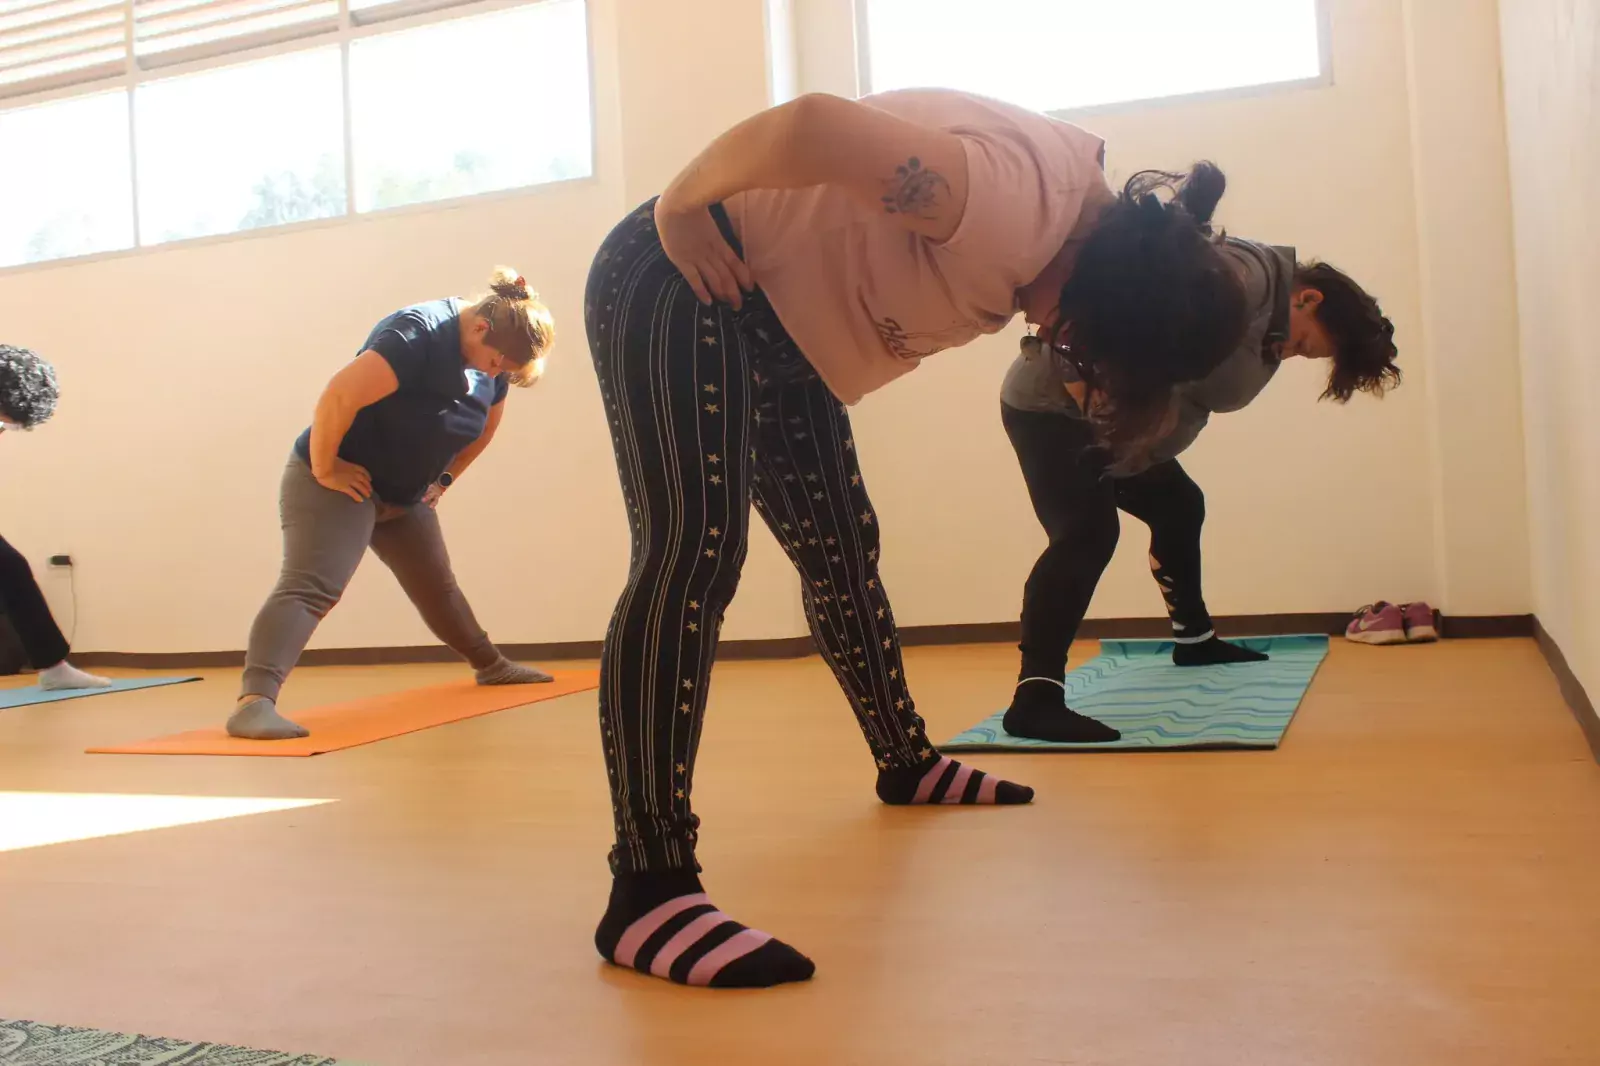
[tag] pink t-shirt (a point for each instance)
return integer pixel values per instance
(866, 299)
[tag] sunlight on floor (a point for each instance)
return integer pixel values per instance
(34, 819)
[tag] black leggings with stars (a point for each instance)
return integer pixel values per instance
(711, 410)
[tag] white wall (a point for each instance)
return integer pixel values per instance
(189, 370)
(1469, 338)
(1312, 507)
(1552, 93)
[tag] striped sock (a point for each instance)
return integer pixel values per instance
(946, 781)
(663, 925)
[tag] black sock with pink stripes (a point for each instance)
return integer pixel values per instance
(662, 924)
(943, 780)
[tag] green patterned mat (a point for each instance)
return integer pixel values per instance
(1133, 686)
(37, 1044)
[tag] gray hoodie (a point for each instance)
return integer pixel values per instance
(1037, 382)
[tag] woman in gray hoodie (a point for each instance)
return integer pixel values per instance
(1309, 310)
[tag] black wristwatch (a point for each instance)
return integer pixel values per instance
(446, 479)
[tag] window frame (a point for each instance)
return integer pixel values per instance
(1323, 79)
(270, 44)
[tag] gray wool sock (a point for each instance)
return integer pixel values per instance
(506, 672)
(259, 720)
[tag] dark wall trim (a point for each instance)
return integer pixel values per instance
(1332, 623)
(1572, 689)
(1477, 627)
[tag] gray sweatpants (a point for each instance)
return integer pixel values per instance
(325, 534)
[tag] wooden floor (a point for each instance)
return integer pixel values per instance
(1414, 879)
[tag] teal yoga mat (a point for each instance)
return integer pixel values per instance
(23, 697)
(1133, 686)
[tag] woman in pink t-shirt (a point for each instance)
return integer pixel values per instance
(807, 257)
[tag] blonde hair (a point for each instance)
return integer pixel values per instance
(521, 327)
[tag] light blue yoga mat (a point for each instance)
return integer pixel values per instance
(23, 697)
(1132, 686)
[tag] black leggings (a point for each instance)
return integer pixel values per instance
(30, 615)
(1077, 503)
(711, 410)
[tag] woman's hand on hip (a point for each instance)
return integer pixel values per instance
(349, 478)
(696, 246)
(434, 494)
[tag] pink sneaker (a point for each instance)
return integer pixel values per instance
(1377, 623)
(1419, 623)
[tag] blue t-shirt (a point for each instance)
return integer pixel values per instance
(408, 438)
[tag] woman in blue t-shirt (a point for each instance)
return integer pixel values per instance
(392, 431)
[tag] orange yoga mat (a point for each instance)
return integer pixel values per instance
(349, 725)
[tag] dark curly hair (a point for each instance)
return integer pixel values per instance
(1151, 302)
(1363, 339)
(28, 388)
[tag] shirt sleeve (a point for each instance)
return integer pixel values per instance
(502, 385)
(403, 343)
(1026, 185)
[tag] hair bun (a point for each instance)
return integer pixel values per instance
(1201, 190)
(509, 285)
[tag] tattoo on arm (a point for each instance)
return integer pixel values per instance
(915, 190)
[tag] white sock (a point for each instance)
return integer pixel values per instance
(63, 675)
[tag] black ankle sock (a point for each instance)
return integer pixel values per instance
(1039, 711)
(1214, 652)
(943, 780)
(649, 920)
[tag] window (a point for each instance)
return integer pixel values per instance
(1056, 55)
(65, 179)
(505, 103)
(169, 31)
(238, 148)
(230, 115)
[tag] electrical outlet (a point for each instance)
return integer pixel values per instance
(61, 560)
